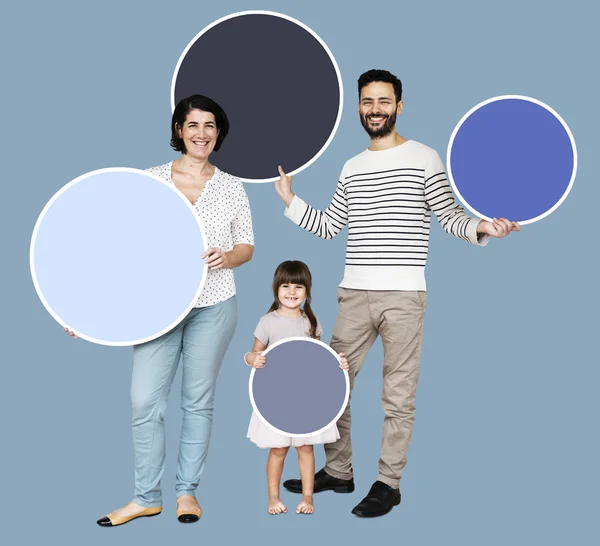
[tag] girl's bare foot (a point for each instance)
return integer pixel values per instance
(276, 506)
(306, 506)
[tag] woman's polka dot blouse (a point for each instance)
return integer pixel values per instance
(224, 210)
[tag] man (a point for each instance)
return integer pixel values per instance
(385, 195)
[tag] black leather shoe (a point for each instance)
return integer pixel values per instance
(323, 482)
(380, 500)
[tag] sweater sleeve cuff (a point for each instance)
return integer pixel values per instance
(480, 239)
(296, 210)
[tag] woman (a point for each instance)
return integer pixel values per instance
(199, 127)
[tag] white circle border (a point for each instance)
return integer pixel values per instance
(528, 99)
(32, 253)
(305, 434)
(316, 36)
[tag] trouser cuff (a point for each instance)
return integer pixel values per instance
(191, 492)
(392, 482)
(338, 475)
(147, 504)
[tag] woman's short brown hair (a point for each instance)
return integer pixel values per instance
(197, 102)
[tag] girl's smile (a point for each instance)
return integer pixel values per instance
(291, 296)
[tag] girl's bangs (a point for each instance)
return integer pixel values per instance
(292, 275)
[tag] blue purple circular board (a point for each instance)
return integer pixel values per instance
(513, 157)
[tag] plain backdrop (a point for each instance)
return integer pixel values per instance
(505, 446)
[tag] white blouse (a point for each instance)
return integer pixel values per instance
(224, 210)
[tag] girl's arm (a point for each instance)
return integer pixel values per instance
(255, 358)
(343, 361)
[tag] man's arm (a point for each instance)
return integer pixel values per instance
(450, 214)
(325, 224)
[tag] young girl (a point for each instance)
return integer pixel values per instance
(287, 318)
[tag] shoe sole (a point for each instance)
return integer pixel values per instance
(129, 520)
(375, 515)
(335, 489)
(188, 518)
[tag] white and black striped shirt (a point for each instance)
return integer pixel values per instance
(386, 198)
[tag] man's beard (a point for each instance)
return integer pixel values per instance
(386, 128)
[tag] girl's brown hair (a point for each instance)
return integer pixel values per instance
(295, 272)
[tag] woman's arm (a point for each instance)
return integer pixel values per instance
(216, 258)
(240, 254)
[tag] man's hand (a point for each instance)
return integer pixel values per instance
(497, 228)
(215, 258)
(284, 187)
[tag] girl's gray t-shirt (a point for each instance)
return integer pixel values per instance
(273, 328)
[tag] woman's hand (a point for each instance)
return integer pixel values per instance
(284, 187)
(343, 362)
(71, 333)
(215, 258)
(255, 359)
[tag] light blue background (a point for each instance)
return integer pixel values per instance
(505, 448)
(113, 259)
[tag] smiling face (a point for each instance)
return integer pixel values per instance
(199, 133)
(378, 109)
(291, 296)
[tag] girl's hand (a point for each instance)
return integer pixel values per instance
(343, 362)
(255, 360)
(215, 258)
(71, 333)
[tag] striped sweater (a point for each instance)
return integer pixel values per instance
(386, 198)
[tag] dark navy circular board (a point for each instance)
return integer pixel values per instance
(301, 390)
(279, 85)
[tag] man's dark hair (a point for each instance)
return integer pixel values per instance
(197, 102)
(380, 76)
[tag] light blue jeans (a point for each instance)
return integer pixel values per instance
(200, 341)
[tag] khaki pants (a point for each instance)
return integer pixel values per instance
(397, 316)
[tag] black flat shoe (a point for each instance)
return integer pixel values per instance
(323, 482)
(379, 501)
(190, 515)
(111, 520)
